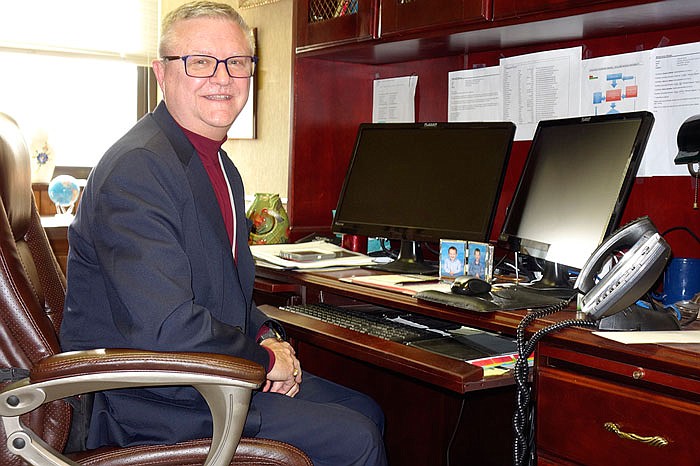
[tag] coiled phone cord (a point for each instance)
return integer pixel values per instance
(524, 417)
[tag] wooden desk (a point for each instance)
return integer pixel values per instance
(580, 379)
(432, 403)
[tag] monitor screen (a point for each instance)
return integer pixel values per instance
(424, 181)
(574, 186)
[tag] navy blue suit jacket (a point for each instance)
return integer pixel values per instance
(150, 267)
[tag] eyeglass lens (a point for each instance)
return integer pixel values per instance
(204, 66)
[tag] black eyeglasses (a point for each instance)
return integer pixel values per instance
(204, 66)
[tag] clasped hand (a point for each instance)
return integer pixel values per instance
(285, 376)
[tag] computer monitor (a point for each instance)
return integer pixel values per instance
(423, 182)
(572, 192)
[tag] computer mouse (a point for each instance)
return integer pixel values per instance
(470, 285)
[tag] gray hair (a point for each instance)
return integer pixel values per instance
(201, 9)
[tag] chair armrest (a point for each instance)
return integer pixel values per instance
(225, 382)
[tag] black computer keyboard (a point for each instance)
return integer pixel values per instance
(374, 321)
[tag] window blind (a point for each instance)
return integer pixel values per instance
(120, 29)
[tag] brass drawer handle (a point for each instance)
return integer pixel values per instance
(656, 441)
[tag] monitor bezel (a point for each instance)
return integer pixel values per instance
(509, 240)
(424, 233)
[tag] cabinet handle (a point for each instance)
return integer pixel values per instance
(656, 441)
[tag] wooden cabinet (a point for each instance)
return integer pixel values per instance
(325, 23)
(503, 9)
(322, 23)
(597, 411)
(409, 16)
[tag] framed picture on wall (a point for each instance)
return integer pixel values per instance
(244, 125)
(253, 3)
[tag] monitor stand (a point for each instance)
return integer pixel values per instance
(410, 261)
(554, 281)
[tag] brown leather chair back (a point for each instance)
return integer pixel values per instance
(31, 303)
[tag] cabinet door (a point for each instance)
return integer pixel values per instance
(404, 16)
(322, 23)
(515, 8)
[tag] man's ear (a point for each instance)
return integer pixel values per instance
(159, 71)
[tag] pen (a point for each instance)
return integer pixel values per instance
(419, 282)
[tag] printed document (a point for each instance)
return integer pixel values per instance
(475, 95)
(394, 100)
(541, 86)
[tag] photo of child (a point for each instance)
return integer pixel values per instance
(452, 258)
(479, 260)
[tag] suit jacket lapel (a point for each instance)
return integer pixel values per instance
(209, 213)
(246, 265)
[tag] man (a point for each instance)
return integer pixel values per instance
(159, 260)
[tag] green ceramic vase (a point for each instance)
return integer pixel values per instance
(270, 220)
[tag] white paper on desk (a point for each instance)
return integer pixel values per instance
(269, 253)
(541, 86)
(475, 95)
(407, 284)
(677, 336)
(394, 100)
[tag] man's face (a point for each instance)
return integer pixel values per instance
(206, 106)
(477, 256)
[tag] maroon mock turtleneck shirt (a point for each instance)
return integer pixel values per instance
(208, 150)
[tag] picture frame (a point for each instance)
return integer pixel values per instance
(480, 260)
(244, 126)
(243, 4)
(453, 255)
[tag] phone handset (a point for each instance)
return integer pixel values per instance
(629, 279)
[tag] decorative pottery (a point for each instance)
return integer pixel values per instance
(270, 220)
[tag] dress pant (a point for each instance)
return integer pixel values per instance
(332, 424)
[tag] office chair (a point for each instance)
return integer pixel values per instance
(39, 382)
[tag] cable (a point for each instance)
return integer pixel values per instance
(454, 432)
(387, 250)
(524, 417)
(686, 229)
(430, 248)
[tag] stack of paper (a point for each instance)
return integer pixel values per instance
(407, 284)
(273, 255)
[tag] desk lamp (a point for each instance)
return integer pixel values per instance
(689, 149)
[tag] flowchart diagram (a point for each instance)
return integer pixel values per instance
(620, 94)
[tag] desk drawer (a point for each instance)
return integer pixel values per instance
(572, 412)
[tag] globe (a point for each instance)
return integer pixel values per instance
(64, 192)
